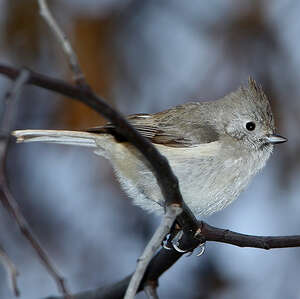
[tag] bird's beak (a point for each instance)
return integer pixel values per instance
(273, 138)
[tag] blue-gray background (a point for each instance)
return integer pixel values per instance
(146, 56)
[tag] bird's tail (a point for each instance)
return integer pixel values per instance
(56, 136)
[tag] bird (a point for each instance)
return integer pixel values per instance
(214, 148)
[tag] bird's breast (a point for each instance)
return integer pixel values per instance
(209, 184)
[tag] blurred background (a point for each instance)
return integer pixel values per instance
(146, 56)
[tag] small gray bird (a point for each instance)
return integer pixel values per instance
(214, 148)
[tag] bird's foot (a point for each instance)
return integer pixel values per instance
(173, 240)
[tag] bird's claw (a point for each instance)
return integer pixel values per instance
(202, 249)
(174, 242)
(176, 247)
(165, 245)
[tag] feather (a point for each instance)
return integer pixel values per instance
(56, 136)
(166, 128)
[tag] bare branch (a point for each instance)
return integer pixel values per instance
(211, 233)
(78, 75)
(13, 207)
(5, 195)
(169, 217)
(11, 270)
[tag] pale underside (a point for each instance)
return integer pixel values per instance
(210, 175)
(207, 182)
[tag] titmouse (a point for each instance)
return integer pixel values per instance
(214, 148)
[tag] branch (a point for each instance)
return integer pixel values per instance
(78, 75)
(5, 195)
(169, 217)
(11, 271)
(211, 233)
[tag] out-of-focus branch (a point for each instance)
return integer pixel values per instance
(78, 75)
(8, 116)
(172, 211)
(10, 99)
(5, 195)
(11, 270)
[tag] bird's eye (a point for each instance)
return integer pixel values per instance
(250, 126)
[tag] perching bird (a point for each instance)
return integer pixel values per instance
(214, 148)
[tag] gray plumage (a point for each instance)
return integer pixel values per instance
(214, 148)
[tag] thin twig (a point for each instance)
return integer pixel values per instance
(5, 195)
(78, 75)
(8, 116)
(11, 270)
(169, 217)
(13, 207)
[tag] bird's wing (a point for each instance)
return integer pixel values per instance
(149, 128)
(163, 128)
